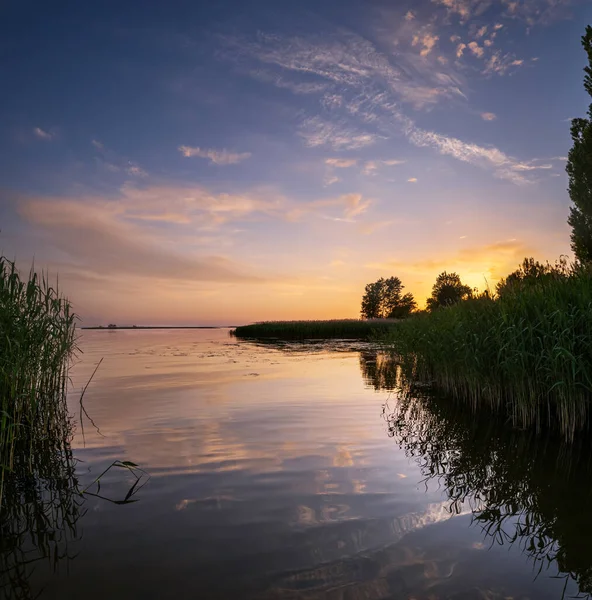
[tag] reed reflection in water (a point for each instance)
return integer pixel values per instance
(523, 489)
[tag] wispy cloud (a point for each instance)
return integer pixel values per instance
(372, 90)
(341, 163)
(531, 12)
(42, 134)
(504, 166)
(370, 167)
(412, 180)
(348, 206)
(216, 157)
(317, 132)
(114, 163)
(488, 116)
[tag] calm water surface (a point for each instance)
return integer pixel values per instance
(295, 472)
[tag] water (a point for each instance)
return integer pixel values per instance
(291, 472)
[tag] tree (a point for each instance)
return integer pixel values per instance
(384, 299)
(531, 272)
(448, 290)
(579, 169)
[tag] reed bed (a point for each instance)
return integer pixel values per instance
(346, 329)
(37, 342)
(527, 353)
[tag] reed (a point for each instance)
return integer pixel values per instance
(527, 352)
(347, 329)
(37, 342)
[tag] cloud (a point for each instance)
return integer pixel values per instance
(348, 61)
(330, 180)
(216, 157)
(505, 167)
(412, 180)
(488, 116)
(136, 171)
(42, 134)
(372, 166)
(348, 205)
(354, 205)
(460, 50)
(532, 12)
(98, 241)
(481, 32)
(317, 132)
(465, 9)
(373, 90)
(427, 41)
(341, 163)
(476, 49)
(114, 163)
(535, 12)
(500, 63)
(302, 87)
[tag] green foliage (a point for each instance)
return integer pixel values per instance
(579, 169)
(532, 273)
(37, 340)
(448, 290)
(384, 299)
(352, 329)
(527, 353)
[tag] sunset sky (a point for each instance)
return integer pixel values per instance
(223, 162)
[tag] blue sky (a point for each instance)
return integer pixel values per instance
(232, 161)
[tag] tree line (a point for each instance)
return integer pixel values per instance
(384, 299)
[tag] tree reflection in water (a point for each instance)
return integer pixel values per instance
(522, 488)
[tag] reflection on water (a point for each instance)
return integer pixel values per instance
(275, 475)
(40, 508)
(523, 490)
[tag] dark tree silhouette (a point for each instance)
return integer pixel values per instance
(531, 272)
(448, 290)
(579, 169)
(384, 299)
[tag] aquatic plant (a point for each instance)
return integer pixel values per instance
(37, 342)
(353, 329)
(526, 353)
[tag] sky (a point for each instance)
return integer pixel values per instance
(225, 162)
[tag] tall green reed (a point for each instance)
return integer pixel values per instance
(37, 342)
(527, 352)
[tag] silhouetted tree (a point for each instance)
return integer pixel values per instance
(530, 273)
(448, 290)
(384, 299)
(579, 169)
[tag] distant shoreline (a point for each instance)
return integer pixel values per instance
(162, 327)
